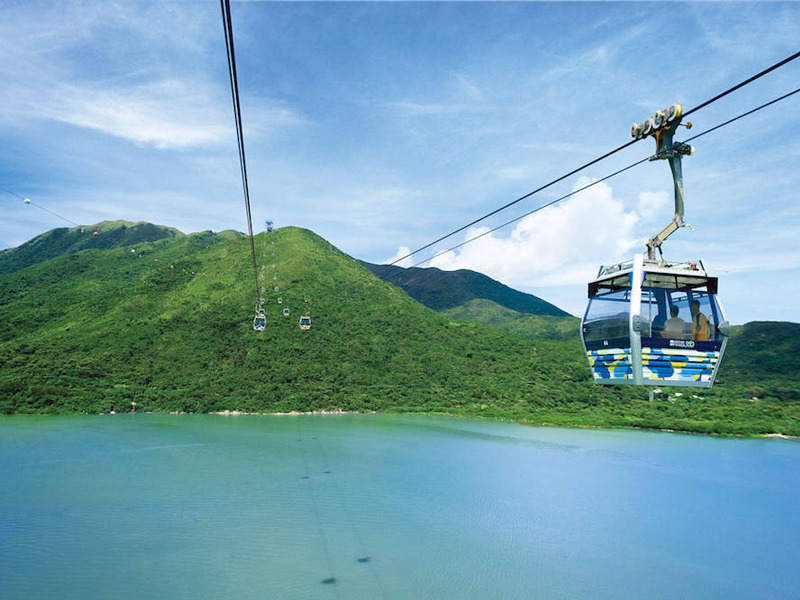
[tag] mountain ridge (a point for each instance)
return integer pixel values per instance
(442, 290)
(65, 240)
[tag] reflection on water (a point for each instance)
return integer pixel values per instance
(378, 506)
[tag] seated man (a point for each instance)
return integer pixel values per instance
(673, 327)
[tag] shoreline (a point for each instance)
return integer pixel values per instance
(239, 413)
(521, 421)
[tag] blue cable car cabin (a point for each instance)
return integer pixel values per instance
(260, 320)
(654, 323)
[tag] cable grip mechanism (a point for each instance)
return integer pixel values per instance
(662, 126)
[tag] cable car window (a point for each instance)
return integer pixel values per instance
(607, 316)
(621, 282)
(679, 282)
(670, 314)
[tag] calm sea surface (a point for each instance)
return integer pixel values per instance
(373, 506)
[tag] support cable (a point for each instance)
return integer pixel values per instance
(39, 206)
(553, 182)
(237, 113)
(788, 59)
(564, 197)
(535, 210)
(512, 203)
(749, 112)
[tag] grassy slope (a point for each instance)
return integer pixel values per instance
(443, 290)
(171, 330)
(531, 326)
(62, 241)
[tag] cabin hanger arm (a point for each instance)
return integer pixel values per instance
(662, 127)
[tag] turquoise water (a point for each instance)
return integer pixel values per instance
(185, 506)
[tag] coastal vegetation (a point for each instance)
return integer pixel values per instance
(165, 324)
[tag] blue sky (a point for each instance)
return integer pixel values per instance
(382, 126)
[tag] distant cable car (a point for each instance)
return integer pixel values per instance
(95, 234)
(280, 300)
(285, 312)
(305, 322)
(650, 321)
(27, 200)
(260, 320)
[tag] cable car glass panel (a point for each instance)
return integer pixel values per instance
(606, 320)
(667, 314)
(606, 334)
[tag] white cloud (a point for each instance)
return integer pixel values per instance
(468, 86)
(515, 173)
(141, 91)
(653, 204)
(561, 245)
(401, 252)
(167, 114)
(414, 109)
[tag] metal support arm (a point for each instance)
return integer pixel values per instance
(666, 150)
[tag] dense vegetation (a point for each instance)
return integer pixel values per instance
(167, 325)
(61, 241)
(441, 290)
(534, 326)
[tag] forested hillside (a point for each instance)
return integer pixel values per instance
(61, 241)
(166, 325)
(442, 290)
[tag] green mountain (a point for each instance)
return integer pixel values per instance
(61, 241)
(167, 325)
(532, 326)
(764, 353)
(442, 290)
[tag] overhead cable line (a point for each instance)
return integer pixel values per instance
(39, 206)
(786, 60)
(564, 197)
(590, 163)
(535, 210)
(512, 203)
(749, 112)
(237, 113)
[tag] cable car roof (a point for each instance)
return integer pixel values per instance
(695, 267)
(688, 275)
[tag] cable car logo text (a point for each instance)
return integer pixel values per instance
(681, 344)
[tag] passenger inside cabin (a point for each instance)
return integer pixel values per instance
(674, 326)
(700, 327)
